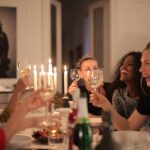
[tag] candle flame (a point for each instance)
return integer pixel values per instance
(34, 67)
(29, 67)
(53, 131)
(65, 67)
(42, 68)
(55, 69)
(50, 61)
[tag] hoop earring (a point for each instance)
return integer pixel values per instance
(143, 90)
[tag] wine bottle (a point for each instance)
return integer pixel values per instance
(82, 132)
(107, 142)
(72, 118)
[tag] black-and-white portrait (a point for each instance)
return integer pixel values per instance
(8, 42)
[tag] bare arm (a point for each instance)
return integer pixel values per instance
(135, 121)
(14, 124)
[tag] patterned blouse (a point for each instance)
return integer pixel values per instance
(123, 104)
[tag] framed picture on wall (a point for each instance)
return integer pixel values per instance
(8, 42)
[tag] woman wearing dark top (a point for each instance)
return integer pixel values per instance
(126, 84)
(84, 65)
(142, 112)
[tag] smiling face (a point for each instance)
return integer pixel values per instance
(145, 67)
(86, 65)
(127, 69)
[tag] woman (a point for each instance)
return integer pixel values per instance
(84, 65)
(126, 84)
(142, 112)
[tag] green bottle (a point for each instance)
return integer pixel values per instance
(82, 132)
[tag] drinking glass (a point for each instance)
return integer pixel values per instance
(55, 136)
(46, 94)
(24, 69)
(74, 74)
(95, 78)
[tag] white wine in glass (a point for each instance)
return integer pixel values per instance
(23, 68)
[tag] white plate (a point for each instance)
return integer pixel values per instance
(18, 142)
(95, 121)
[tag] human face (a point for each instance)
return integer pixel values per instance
(145, 67)
(86, 66)
(127, 69)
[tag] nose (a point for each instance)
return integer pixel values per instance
(141, 69)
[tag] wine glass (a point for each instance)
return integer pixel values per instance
(95, 78)
(47, 92)
(74, 74)
(24, 69)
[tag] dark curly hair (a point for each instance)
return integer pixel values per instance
(117, 83)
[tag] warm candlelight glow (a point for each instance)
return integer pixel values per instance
(65, 80)
(42, 78)
(42, 68)
(35, 78)
(29, 67)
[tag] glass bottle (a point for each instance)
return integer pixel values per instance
(82, 132)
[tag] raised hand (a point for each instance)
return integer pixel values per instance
(33, 101)
(100, 100)
(72, 87)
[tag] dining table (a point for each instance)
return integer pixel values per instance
(128, 140)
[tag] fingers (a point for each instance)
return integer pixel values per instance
(72, 87)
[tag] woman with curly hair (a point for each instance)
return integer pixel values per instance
(126, 84)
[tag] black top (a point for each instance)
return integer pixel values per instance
(143, 106)
(91, 109)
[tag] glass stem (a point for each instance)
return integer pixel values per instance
(46, 110)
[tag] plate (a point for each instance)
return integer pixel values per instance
(95, 121)
(18, 142)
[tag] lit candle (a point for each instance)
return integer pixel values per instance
(35, 78)
(42, 78)
(65, 80)
(55, 78)
(49, 72)
(29, 67)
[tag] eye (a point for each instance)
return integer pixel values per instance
(130, 64)
(95, 68)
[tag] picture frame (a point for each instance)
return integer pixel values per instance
(8, 42)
